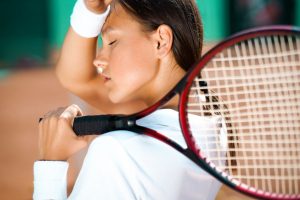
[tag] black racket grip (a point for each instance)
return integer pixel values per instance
(99, 124)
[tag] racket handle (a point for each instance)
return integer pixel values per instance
(99, 124)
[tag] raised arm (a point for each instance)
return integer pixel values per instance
(75, 68)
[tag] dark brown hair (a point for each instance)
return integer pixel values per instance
(181, 15)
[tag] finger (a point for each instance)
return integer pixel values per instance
(71, 112)
(40, 139)
(56, 112)
(47, 114)
(79, 111)
(43, 137)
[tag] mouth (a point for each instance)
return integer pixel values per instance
(106, 78)
(101, 72)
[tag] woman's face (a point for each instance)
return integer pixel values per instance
(127, 58)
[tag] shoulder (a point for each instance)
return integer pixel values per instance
(114, 144)
(109, 140)
(106, 163)
(104, 153)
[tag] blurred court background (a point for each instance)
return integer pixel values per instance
(31, 35)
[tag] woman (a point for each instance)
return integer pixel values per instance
(147, 48)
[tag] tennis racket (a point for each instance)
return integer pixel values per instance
(250, 83)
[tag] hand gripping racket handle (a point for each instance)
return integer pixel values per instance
(100, 124)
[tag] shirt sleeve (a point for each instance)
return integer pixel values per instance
(50, 180)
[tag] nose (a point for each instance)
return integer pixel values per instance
(100, 63)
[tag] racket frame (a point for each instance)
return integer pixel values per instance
(185, 127)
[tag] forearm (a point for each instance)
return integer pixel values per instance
(75, 64)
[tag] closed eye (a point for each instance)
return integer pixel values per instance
(111, 43)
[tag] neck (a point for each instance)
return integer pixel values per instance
(173, 103)
(164, 83)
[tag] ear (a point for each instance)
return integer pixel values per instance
(163, 40)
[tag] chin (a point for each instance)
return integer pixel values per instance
(117, 98)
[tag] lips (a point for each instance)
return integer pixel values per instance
(106, 78)
(101, 72)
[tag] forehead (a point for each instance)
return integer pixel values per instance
(118, 19)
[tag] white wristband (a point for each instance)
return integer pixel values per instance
(50, 180)
(86, 23)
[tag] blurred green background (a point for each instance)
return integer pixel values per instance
(32, 30)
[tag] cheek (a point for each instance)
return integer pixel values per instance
(132, 70)
(134, 62)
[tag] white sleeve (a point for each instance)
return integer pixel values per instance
(50, 180)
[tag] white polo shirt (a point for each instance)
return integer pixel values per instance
(126, 165)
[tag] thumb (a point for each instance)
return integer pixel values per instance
(71, 112)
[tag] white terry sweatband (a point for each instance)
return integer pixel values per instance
(86, 23)
(50, 180)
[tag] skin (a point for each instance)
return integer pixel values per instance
(135, 66)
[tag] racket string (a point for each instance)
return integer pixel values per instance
(254, 92)
(286, 59)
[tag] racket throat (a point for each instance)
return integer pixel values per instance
(126, 124)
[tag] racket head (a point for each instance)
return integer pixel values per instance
(251, 103)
